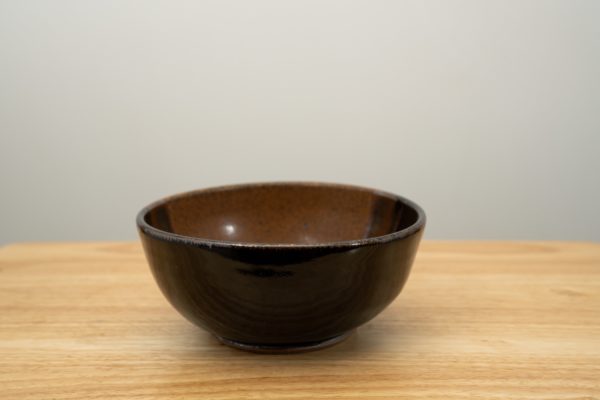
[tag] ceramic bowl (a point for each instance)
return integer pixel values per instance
(281, 267)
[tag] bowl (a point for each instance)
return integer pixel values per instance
(281, 267)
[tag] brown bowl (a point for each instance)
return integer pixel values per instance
(281, 266)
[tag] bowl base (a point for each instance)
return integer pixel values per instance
(285, 348)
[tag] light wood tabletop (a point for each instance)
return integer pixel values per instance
(496, 320)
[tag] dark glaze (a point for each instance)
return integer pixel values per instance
(283, 264)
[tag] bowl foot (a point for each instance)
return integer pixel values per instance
(286, 348)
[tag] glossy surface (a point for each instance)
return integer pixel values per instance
(309, 262)
(305, 214)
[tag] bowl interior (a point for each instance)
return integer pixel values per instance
(293, 213)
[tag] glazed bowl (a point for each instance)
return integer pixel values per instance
(281, 267)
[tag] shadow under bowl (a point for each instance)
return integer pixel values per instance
(281, 267)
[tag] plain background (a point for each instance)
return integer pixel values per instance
(485, 112)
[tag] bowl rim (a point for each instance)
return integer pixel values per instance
(214, 243)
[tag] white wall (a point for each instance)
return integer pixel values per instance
(485, 112)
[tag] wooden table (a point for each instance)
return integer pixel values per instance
(497, 320)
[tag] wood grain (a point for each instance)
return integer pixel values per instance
(496, 320)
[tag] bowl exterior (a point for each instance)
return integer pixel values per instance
(266, 295)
